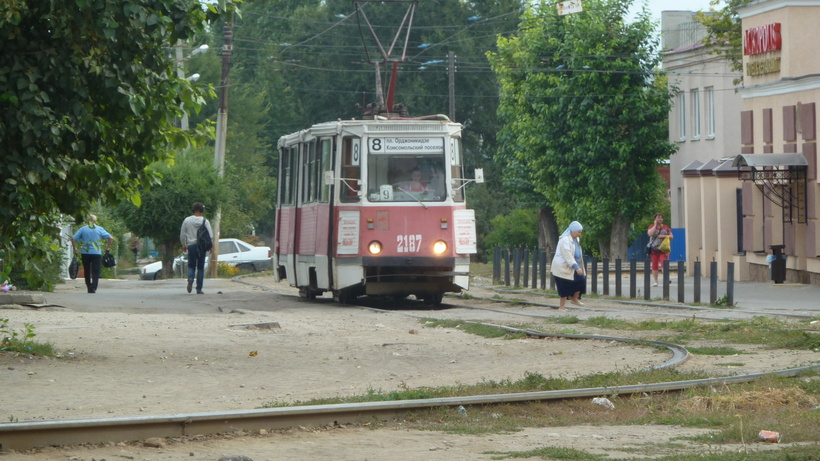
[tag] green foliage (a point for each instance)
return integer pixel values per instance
(583, 114)
(34, 267)
(89, 98)
(518, 229)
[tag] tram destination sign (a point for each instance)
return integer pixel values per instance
(406, 145)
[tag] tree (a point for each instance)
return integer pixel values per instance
(724, 35)
(191, 179)
(516, 229)
(89, 98)
(583, 113)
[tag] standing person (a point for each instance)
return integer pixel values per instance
(89, 241)
(657, 232)
(568, 267)
(135, 247)
(196, 258)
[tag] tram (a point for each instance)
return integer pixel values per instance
(374, 207)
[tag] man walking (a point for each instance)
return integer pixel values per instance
(188, 238)
(88, 241)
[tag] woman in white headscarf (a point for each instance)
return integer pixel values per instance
(568, 266)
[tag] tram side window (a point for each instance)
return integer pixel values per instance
(351, 169)
(309, 173)
(326, 151)
(286, 181)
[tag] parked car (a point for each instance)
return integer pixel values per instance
(233, 252)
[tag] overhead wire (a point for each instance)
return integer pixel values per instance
(465, 66)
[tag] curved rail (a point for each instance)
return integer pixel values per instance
(27, 435)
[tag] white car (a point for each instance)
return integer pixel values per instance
(233, 252)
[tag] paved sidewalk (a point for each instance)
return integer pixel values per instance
(790, 298)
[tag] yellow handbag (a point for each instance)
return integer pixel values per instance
(665, 247)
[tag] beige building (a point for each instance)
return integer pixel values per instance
(738, 214)
(780, 92)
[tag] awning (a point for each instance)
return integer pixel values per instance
(781, 177)
(764, 160)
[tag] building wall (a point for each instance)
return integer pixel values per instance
(779, 114)
(699, 196)
(775, 110)
(689, 67)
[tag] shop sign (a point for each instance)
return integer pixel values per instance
(759, 40)
(766, 66)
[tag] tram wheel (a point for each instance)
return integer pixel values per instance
(307, 293)
(433, 299)
(341, 297)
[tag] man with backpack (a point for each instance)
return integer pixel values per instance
(196, 237)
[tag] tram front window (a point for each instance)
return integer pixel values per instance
(406, 178)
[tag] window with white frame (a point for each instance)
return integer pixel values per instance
(695, 113)
(681, 116)
(710, 113)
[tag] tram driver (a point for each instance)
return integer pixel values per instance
(415, 183)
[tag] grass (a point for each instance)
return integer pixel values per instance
(714, 351)
(485, 331)
(772, 333)
(23, 341)
(734, 414)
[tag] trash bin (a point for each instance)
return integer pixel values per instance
(777, 264)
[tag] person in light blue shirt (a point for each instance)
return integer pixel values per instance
(89, 241)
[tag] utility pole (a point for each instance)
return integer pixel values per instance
(452, 73)
(222, 129)
(181, 74)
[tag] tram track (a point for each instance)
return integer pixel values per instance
(27, 435)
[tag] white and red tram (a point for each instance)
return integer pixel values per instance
(374, 207)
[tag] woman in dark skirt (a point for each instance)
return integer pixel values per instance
(568, 267)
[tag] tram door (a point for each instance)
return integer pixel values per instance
(313, 214)
(284, 245)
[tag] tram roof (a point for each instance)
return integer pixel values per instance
(403, 125)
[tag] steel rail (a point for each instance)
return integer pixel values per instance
(33, 434)
(28, 435)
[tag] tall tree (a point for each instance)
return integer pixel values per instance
(89, 98)
(583, 112)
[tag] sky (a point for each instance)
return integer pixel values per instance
(656, 6)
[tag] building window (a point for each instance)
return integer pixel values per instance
(710, 113)
(695, 114)
(681, 116)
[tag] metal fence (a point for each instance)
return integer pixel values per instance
(523, 267)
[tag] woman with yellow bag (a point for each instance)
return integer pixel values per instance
(660, 236)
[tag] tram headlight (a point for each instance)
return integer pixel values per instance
(375, 247)
(439, 247)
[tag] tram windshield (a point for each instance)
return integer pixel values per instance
(406, 170)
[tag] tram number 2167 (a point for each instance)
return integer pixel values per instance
(408, 243)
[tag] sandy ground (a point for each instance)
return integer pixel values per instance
(221, 358)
